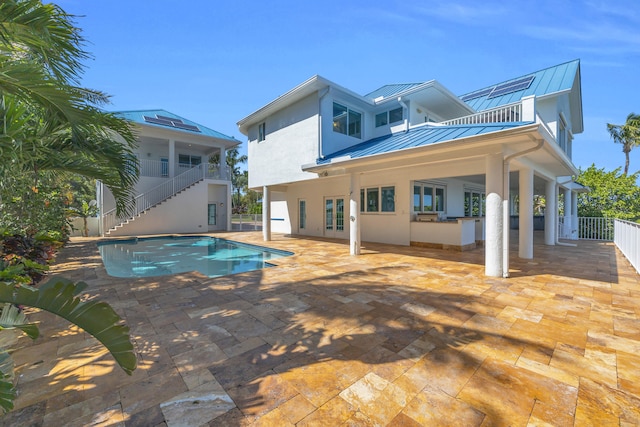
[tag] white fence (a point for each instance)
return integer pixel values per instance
(246, 222)
(595, 228)
(627, 238)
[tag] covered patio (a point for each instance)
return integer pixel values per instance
(398, 336)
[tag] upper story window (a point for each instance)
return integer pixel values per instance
(347, 121)
(562, 133)
(262, 131)
(187, 160)
(389, 117)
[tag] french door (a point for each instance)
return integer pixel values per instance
(334, 217)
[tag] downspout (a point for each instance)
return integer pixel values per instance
(321, 96)
(558, 242)
(404, 106)
(505, 204)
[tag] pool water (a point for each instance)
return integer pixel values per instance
(160, 256)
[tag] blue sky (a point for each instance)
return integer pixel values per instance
(216, 62)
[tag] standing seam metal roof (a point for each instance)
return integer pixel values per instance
(550, 80)
(417, 137)
(138, 117)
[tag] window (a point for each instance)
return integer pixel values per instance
(395, 115)
(388, 199)
(262, 131)
(474, 203)
(347, 121)
(187, 160)
(378, 199)
(372, 199)
(389, 117)
(428, 197)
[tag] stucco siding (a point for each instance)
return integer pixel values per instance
(291, 141)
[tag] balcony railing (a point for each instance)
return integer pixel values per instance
(160, 169)
(627, 239)
(504, 114)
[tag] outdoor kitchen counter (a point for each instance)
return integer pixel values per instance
(457, 234)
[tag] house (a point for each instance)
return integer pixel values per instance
(414, 164)
(179, 190)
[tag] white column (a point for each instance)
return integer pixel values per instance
(172, 158)
(223, 164)
(354, 215)
(574, 211)
(568, 218)
(266, 213)
(494, 219)
(550, 213)
(525, 219)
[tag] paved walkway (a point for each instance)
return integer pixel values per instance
(396, 337)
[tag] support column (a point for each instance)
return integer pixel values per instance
(550, 213)
(494, 218)
(525, 219)
(266, 213)
(172, 158)
(224, 174)
(568, 217)
(574, 212)
(354, 215)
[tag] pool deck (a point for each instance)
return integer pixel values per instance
(398, 336)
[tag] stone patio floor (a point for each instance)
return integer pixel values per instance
(399, 336)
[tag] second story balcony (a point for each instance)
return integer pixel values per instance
(162, 169)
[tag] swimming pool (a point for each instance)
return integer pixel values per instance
(160, 256)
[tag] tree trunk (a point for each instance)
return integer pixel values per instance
(626, 163)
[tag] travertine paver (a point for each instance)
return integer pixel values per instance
(398, 336)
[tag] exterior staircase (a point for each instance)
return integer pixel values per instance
(153, 197)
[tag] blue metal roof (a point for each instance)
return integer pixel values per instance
(391, 90)
(550, 80)
(138, 117)
(417, 137)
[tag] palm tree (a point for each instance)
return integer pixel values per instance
(627, 134)
(238, 178)
(50, 125)
(47, 122)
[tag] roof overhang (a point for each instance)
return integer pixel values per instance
(306, 88)
(549, 158)
(436, 97)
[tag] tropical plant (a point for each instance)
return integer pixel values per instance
(612, 194)
(60, 296)
(49, 128)
(627, 134)
(86, 210)
(239, 178)
(47, 122)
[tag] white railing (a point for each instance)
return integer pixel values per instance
(595, 228)
(627, 239)
(160, 169)
(246, 222)
(157, 194)
(504, 114)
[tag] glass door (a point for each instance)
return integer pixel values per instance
(334, 217)
(212, 214)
